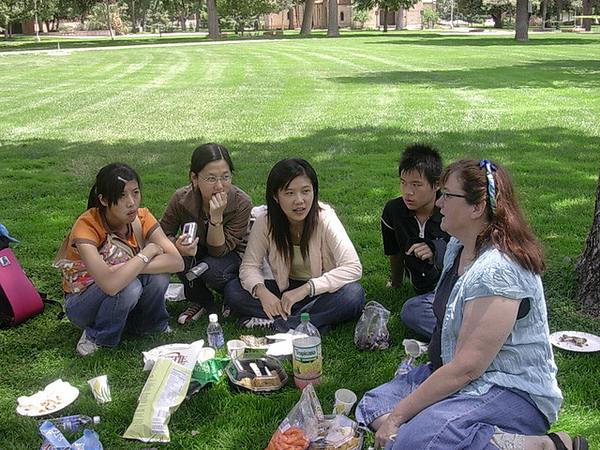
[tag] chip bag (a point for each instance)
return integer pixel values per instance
(371, 330)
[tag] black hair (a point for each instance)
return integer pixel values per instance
(110, 183)
(208, 153)
(424, 159)
(280, 177)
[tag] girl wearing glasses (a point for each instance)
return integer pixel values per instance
(314, 264)
(491, 381)
(221, 212)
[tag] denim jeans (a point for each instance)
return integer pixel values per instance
(417, 314)
(139, 307)
(220, 272)
(325, 310)
(458, 422)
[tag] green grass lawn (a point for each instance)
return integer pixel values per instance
(349, 106)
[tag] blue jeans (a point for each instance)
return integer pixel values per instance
(220, 272)
(139, 307)
(325, 310)
(458, 422)
(417, 314)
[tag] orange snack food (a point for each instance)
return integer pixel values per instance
(291, 439)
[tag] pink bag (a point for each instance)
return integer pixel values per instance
(19, 299)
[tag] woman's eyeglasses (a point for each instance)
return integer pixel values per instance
(445, 195)
(213, 180)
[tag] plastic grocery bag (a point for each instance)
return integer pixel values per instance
(371, 330)
(301, 425)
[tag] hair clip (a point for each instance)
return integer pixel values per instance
(489, 167)
(122, 179)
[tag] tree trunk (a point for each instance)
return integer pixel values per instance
(109, 22)
(522, 21)
(385, 20)
(291, 18)
(558, 14)
(307, 17)
(544, 13)
(132, 15)
(588, 266)
(213, 19)
(333, 27)
(587, 11)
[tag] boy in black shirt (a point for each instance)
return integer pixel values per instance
(412, 238)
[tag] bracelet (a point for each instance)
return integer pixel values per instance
(143, 258)
(311, 285)
(216, 225)
(255, 288)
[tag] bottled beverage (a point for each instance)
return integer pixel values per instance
(73, 423)
(307, 358)
(407, 364)
(215, 332)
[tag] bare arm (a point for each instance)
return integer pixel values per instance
(168, 261)
(487, 323)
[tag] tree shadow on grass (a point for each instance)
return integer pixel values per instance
(581, 74)
(468, 40)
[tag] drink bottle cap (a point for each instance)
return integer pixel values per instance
(96, 420)
(304, 317)
(213, 318)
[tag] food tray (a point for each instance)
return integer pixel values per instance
(243, 372)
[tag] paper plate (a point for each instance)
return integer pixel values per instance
(575, 341)
(54, 397)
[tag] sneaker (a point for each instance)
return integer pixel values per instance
(85, 347)
(193, 312)
(257, 322)
(168, 330)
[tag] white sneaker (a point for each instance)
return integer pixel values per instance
(258, 322)
(85, 347)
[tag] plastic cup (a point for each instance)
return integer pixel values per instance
(205, 354)
(236, 348)
(344, 401)
(414, 348)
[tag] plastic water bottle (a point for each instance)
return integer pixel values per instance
(407, 364)
(215, 332)
(307, 357)
(73, 423)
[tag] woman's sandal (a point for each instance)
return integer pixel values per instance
(578, 443)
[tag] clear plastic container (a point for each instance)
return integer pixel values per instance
(257, 373)
(73, 423)
(307, 360)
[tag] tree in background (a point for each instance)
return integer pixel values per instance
(213, 19)
(309, 6)
(588, 265)
(384, 5)
(522, 21)
(244, 12)
(333, 27)
(498, 8)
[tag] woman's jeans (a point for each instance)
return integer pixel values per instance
(460, 421)
(139, 308)
(326, 310)
(220, 272)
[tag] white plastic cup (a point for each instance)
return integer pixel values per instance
(414, 348)
(100, 389)
(236, 348)
(205, 354)
(344, 401)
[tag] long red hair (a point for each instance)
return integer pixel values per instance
(507, 230)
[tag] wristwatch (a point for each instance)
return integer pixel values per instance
(216, 225)
(143, 258)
